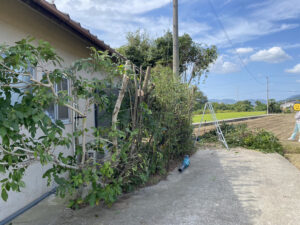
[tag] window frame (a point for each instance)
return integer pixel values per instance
(56, 106)
(16, 99)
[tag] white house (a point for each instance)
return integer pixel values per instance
(288, 104)
(40, 19)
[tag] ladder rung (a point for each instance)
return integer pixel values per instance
(215, 120)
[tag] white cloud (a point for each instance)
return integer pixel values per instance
(272, 55)
(116, 6)
(244, 50)
(112, 20)
(222, 66)
(241, 30)
(263, 18)
(295, 69)
(276, 10)
(298, 81)
(288, 46)
(227, 2)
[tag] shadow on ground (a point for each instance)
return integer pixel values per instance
(200, 195)
(220, 187)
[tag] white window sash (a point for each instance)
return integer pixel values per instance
(65, 121)
(56, 106)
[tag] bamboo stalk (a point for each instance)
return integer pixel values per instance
(136, 99)
(118, 105)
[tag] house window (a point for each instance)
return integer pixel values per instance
(24, 81)
(59, 112)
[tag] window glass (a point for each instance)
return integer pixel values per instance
(58, 112)
(51, 111)
(63, 113)
(64, 85)
(23, 82)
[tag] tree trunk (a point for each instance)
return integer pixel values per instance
(118, 106)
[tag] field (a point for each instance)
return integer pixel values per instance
(282, 126)
(224, 116)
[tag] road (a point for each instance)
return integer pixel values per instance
(220, 187)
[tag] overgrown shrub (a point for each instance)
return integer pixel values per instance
(166, 126)
(240, 135)
(171, 106)
(149, 124)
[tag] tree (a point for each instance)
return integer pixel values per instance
(243, 106)
(259, 106)
(150, 122)
(22, 144)
(193, 57)
(161, 52)
(200, 100)
(137, 48)
(274, 107)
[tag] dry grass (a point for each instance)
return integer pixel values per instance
(282, 126)
(294, 159)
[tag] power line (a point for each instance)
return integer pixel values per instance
(231, 43)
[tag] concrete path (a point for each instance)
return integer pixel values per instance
(220, 187)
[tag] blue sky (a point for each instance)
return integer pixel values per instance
(262, 38)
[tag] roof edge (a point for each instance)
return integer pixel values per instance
(73, 25)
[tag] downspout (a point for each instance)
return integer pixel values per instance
(27, 207)
(96, 115)
(74, 121)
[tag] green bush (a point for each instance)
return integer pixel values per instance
(240, 135)
(153, 125)
(166, 126)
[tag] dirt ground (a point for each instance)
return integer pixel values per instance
(282, 126)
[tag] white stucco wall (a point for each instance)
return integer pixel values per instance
(18, 21)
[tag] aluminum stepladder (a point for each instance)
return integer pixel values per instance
(216, 123)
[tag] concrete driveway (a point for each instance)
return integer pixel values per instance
(220, 187)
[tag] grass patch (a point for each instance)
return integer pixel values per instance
(224, 116)
(291, 147)
(294, 159)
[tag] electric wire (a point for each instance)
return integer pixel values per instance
(230, 41)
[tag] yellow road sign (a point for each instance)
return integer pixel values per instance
(297, 107)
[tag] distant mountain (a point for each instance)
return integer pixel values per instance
(232, 101)
(293, 97)
(264, 101)
(225, 100)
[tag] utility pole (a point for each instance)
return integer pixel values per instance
(267, 95)
(175, 39)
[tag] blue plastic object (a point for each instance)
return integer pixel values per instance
(185, 163)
